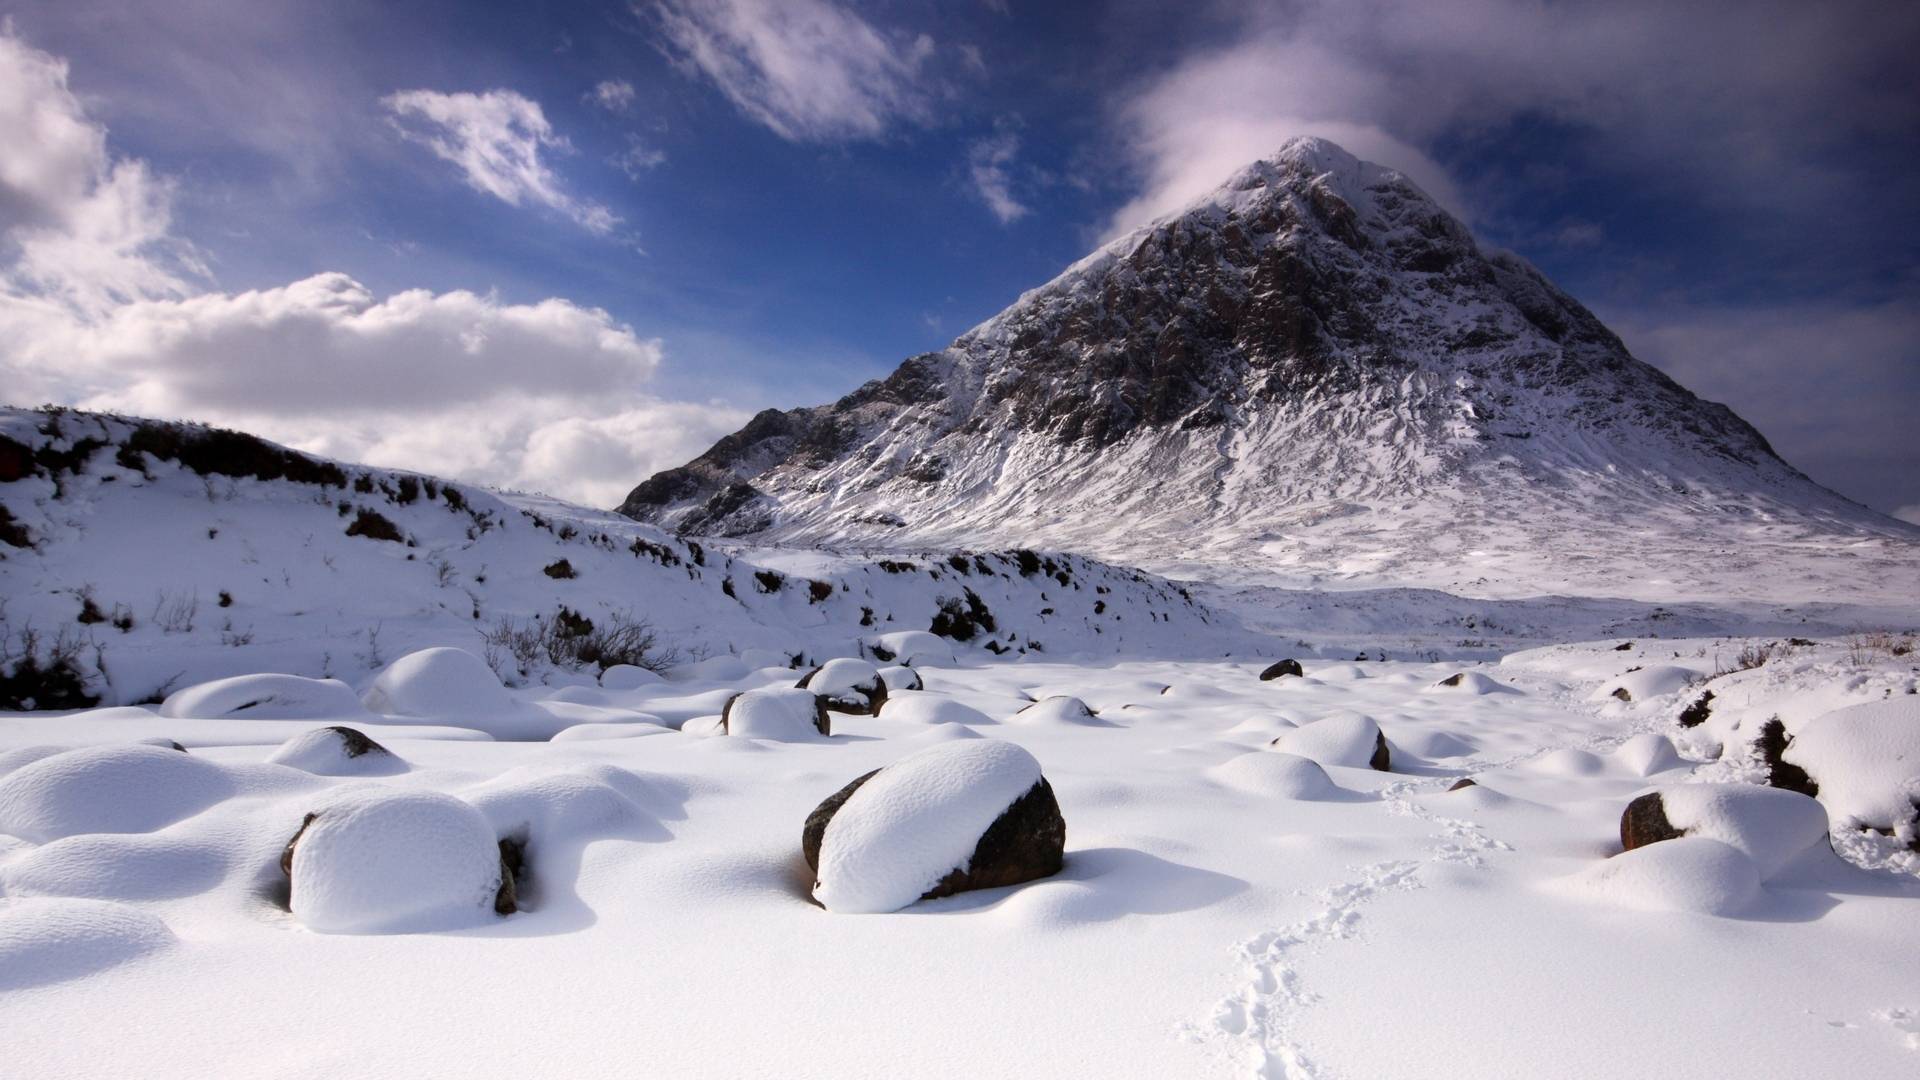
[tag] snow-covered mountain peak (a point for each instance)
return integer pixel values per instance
(1312, 371)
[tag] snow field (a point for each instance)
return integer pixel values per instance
(1245, 910)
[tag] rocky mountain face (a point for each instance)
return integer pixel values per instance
(1312, 372)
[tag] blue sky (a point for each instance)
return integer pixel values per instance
(559, 246)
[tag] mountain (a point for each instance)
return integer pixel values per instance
(1313, 374)
(142, 556)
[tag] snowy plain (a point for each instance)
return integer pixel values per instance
(1242, 894)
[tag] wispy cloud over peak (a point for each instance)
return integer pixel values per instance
(497, 139)
(989, 162)
(809, 70)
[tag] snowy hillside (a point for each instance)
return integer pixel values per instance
(159, 555)
(1311, 376)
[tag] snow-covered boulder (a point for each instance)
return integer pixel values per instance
(847, 685)
(958, 815)
(922, 707)
(1274, 776)
(264, 697)
(783, 713)
(1692, 873)
(913, 648)
(391, 862)
(899, 677)
(1282, 669)
(108, 789)
(1865, 763)
(1349, 739)
(1058, 709)
(439, 682)
(1770, 826)
(628, 677)
(337, 751)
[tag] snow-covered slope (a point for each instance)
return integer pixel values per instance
(1311, 375)
(156, 555)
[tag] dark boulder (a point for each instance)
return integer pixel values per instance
(1462, 784)
(355, 743)
(1281, 668)
(512, 861)
(1379, 759)
(1645, 822)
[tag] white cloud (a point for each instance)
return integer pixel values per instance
(809, 70)
(638, 158)
(1697, 93)
(496, 139)
(988, 160)
(86, 231)
(613, 95)
(549, 395)
(1909, 514)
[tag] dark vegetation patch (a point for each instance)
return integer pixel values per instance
(1772, 743)
(770, 581)
(819, 591)
(210, 451)
(1696, 713)
(374, 526)
(29, 680)
(559, 570)
(570, 639)
(963, 620)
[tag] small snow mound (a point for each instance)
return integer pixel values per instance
(1648, 753)
(899, 677)
(1348, 739)
(108, 789)
(598, 731)
(1693, 873)
(713, 669)
(1470, 682)
(912, 823)
(26, 755)
(925, 707)
(1770, 825)
(45, 941)
(914, 648)
(442, 681)
(762, 659)
(542, 806)
(118, 866)
(390, 862)
(624, 677)
(783, 713)
(1866, 761)
(1657, 680)
(579, 695)
(337, 751)
(264, 697)
(1058, 709)
(1274, 775)
(1569, 763)
(1435, 745)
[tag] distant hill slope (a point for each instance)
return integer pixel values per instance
(1313, 374)
(158, 555)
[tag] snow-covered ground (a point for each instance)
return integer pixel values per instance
(1225, 908)
(398, 845)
